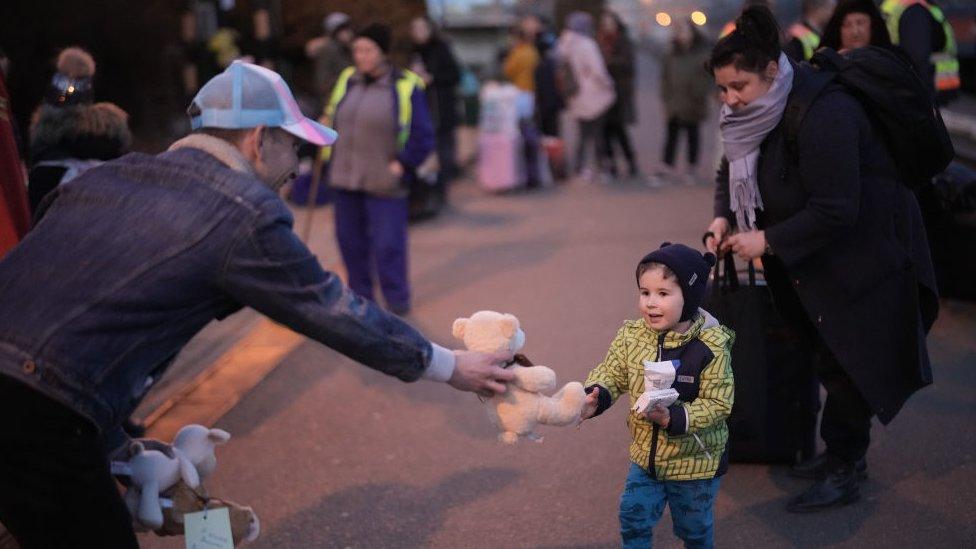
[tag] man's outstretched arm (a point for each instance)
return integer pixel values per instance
(268, 268)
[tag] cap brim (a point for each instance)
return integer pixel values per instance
(313, 132)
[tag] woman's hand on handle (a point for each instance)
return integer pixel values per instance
(715, 237)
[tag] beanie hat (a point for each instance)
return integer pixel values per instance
(691, 269)
(335, 21)
(72, 83)
(377, 33)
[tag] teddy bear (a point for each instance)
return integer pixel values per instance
(524, 404)
(166, 486)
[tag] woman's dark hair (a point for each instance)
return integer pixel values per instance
(879, 32)
(752, 45)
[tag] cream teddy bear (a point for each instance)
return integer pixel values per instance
(523, 405)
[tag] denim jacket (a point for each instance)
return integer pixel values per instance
(130, 260)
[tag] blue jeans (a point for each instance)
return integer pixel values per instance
(643, 501)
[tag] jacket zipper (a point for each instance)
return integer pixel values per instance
(654, 433)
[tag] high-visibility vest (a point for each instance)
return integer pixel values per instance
(807, 37)
(946, 62)
(406, 82)
(728, 29)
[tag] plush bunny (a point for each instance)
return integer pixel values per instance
(525, 404)
(153, 472)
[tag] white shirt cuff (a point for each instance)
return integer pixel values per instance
(441, 366)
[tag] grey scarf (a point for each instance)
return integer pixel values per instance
(743, 131)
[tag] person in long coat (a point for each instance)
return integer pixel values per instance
(685, 93)
(618, 52)
(840, 237)
(594, 96)
(434, 60)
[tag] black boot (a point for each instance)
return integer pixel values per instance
(815, 467)
(839, 486)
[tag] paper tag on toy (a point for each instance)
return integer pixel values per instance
(208, 529)
(659, 375)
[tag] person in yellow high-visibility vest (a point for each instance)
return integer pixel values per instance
(922, 30)
(382, 113)
(803, 36)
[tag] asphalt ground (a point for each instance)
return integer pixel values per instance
(332, 454)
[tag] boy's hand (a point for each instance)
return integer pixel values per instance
(659, 415)
(590, 404)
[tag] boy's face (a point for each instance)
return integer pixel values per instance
(659, 299)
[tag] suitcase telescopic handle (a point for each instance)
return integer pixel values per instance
(725, 272)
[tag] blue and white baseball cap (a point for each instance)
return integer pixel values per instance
(248, 96)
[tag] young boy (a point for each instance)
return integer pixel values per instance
(677, 453)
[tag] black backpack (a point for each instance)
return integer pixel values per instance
(896, 100)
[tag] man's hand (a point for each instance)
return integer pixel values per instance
(590, 404)
(659, 415)
(748, 245)
(481, 373)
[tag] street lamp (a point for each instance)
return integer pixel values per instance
(698, 18)
(663, 19)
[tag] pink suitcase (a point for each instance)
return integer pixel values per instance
(500, 161)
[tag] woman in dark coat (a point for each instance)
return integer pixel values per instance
(840, 238)
(855, 24)
(434, 61)
(618, 52)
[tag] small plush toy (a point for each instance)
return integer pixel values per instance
(517, 411)
(197, 444)
(244, 523)
(152, 472)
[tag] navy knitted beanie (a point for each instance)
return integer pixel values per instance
(691, 269)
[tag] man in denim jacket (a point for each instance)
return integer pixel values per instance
(129, 261)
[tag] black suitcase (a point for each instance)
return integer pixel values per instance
(949, 210)
(774, 416)
(426, 197)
